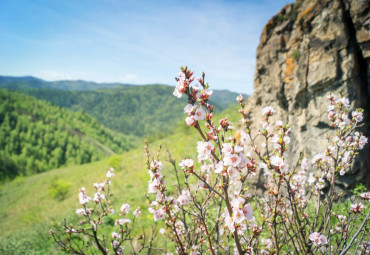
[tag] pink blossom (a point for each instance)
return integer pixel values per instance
(358, 116)
(137, 212)
(204, 150)
(304, 164)
(229, 222)
(180, 88)
(110, 173)
(248, 212)
(362, 141)
(344, 101)
(125, 208)
(331, 115)
(190, 108)
(238, 216)
(275, 138)
(81, 211)
(207, 92)
(156, 165)
(342, 218)
(153, 186)
(199, 114)
(243, 161)
(357, 208)
(231, 160)
(99, 186)
(219, 167)
(232, 172)
(189, 163)
(205, 168)
(115, 235)
(159, 214)
(184, 198)
(240, 99)
(332, 98)
(277, 161)
(345, 119)
(190, 121)
(279, 123)
(237, 201)
(204, 94)
(71, 230)
(318, 157)
(227, 148)
(317, 238)
(238, 149)
(268, 110)
(98, 197)
(84, 199)
(122, 221)
(286, 139)
(267, 243)
(365, 195)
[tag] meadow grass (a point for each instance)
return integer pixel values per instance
(28, 209)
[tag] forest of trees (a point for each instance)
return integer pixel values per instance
(149, 110)
(42, 127)
(36, 136)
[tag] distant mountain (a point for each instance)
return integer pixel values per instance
(36, 136)
(30, 82)
(149, 110)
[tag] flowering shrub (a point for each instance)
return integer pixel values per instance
(213, 209)
(85, 239)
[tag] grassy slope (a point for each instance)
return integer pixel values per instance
(28, 203)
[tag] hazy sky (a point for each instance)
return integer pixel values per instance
(138, 42)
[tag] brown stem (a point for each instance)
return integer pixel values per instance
(208, 237)
(101, 248)
(229, 209)
(355, 235)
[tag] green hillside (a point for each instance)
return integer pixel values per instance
(30, 211)
(149, 110)
(36, 136)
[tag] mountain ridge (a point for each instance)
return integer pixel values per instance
(14, 82)
(130, 109)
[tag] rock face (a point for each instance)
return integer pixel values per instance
(308, 49)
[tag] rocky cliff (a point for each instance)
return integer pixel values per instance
(309, 48)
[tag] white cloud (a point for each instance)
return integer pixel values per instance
(51, 75)
(128, 78)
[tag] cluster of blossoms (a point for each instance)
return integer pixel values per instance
(92, 217)
(167, 208)
(157, 186)
(226, 163)
(341, 152)
(241, 211)
(318, 239)
(194, 114)
(213, 208)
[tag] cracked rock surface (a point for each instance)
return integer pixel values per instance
(308, 49)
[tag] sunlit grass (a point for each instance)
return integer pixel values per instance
(27, 203)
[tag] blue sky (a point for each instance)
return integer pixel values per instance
(137, 42)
